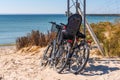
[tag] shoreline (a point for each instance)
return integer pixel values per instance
(7, 45)
(88, 14)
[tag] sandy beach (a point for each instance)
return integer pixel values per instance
(26, 66)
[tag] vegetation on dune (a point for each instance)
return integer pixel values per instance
(35, 38)
(107, 33)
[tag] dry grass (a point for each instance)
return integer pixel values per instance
(109, 36)
(35, 38)
(107, 33)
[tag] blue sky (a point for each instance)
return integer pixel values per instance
(55, 6)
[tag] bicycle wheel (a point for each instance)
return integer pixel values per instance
(62, 58)
(47, 54)
(79, 59)
(53, 54)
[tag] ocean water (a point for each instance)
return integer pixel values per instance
(14, 26)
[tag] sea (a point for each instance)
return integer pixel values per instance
(14, 26)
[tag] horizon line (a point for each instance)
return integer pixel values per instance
(57, 14)
(28, 13)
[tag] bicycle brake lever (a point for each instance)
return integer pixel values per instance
(52, 22)
(62, 24)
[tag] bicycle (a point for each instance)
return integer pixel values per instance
(79, 57)
(67, 52)
(72, 55)
(50, 52)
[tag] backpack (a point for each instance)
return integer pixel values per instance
(73, 26)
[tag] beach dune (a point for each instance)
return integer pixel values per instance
(21, 66)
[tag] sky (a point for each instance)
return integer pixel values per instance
(55, 6)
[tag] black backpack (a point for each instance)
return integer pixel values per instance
(73, 26)
(74, 23)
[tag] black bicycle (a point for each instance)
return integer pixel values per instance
(66, 52)
(79, 57)
(72, 56)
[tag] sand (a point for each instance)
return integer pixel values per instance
(26, 66)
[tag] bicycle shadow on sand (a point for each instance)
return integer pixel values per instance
(99, 69)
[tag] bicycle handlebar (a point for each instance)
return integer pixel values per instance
(57, 25)
(52, 22)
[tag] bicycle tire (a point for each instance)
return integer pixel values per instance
(63, 56)
(46, 55)
(81, 59)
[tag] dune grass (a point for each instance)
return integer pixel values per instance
(35, 38)
(107, 33)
